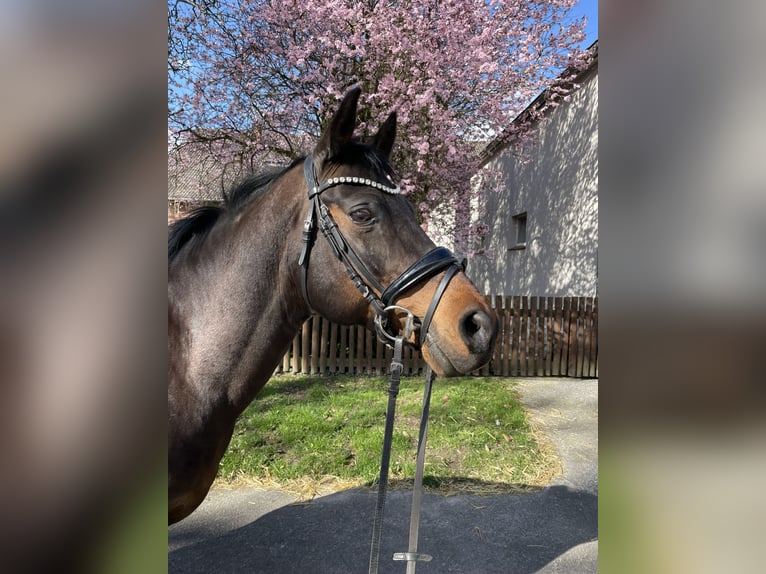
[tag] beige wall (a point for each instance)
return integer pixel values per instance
(558, 188)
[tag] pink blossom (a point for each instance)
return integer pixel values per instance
(265, 74)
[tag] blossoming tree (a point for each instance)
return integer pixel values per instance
(257, 77)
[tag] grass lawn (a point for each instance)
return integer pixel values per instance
(307, 434)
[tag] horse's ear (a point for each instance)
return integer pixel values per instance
(384, 139)
(341, 128)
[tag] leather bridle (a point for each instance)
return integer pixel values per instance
(381, 299)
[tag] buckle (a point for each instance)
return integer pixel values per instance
(381, 328)
(412, 556)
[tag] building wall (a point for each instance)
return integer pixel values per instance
(558, 189)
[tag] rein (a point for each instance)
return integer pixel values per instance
(412, 556)
(382, 300)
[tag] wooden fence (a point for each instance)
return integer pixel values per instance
(539, 336)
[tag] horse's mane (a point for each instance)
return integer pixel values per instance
(253, 186)
(193, 228)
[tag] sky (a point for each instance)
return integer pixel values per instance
(588, 8)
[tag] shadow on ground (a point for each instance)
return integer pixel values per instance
(465, 534)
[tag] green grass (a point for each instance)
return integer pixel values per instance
(311, 428)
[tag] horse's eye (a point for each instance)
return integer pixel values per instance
(361, 216)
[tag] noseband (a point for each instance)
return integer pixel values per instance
(380, 299)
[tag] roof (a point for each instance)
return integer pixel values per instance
(202, 170)
(197, 170)
(532, 111)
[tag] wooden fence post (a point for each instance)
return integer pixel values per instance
(565, 315)
(524, 337)
(515, 338)
(588, 329)
(594, 341)
(333, 348)
(558, 335)
(572, 354)
(360, 332)
(297, 353)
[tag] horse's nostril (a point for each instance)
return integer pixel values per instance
(478, 330)
(471, 325)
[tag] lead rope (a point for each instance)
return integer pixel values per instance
(393, 392)
(412, 556)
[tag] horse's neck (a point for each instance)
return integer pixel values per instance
(238, 314)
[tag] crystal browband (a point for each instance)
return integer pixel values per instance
(357, 181)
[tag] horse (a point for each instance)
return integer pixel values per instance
(243, 277)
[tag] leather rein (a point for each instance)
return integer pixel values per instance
(382, 300)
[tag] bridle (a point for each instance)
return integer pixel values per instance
(381, 299)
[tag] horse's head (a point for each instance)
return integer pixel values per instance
(377, 260)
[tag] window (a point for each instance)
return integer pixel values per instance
(519, 232)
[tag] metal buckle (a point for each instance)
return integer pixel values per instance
(409, 326)
(412, 556)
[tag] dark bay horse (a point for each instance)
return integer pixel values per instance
(242, 279)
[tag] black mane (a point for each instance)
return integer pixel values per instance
(252, 186)
(193, 228)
